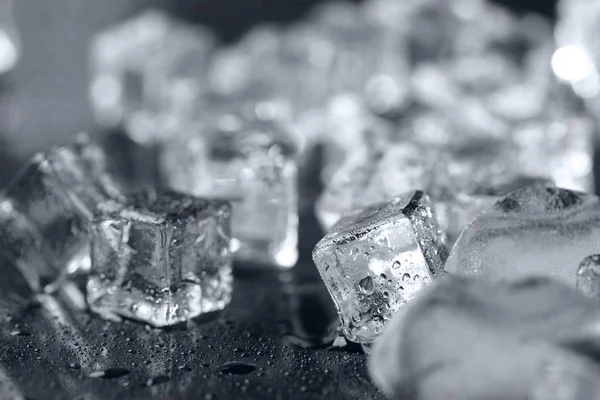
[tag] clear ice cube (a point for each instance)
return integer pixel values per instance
(146, 72)
(536, 230)
(252, 163)
(376, 259)
(46, 209)
(588, 276)
(163, 259)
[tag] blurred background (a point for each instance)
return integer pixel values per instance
(47, 100)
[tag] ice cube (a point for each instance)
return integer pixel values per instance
(455, 210)
(588, 276)
(536, 230)
(376, 259)
(467, 339)
(163, 259)
(251, 162)
(146, 72)
(46, 209)
(558, 145)
(374, 176)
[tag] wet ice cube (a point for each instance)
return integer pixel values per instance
(252, 163)
(536, 230)
(147, 71)
(376, 259)
(163, 259)
(588, 276)
(375, 176)
(46, 209)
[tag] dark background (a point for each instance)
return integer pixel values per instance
(273, 328)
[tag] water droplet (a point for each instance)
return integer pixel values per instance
(406, 277)
(236, 368)
(425, 280)
(386, 294)
(416, 278)
(396, 265)
(366, 285)
(383, 277)
(110, 373)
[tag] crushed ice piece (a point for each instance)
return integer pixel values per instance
(46, 209)
(471, 340)
(252, 162)
(375, 260)
(163, 259)
(536, 230)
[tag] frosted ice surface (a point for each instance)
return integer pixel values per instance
(536, 230)
(163, 259)
(465, 339)
(46, 209)
(376, 259)
(251, 162)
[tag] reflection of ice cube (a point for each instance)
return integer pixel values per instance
(145, 70)
(375, 260)
(45, 211)
(162, 260)
(536, 230)
(252, 163)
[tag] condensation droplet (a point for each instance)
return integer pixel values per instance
(366, 285)
(396, 265)
(406, 277)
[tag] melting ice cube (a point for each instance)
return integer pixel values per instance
(375, 260)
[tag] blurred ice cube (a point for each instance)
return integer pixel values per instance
(146, 70)
(533, 231)
(474, 340)
(252, 162)
(46, 209)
